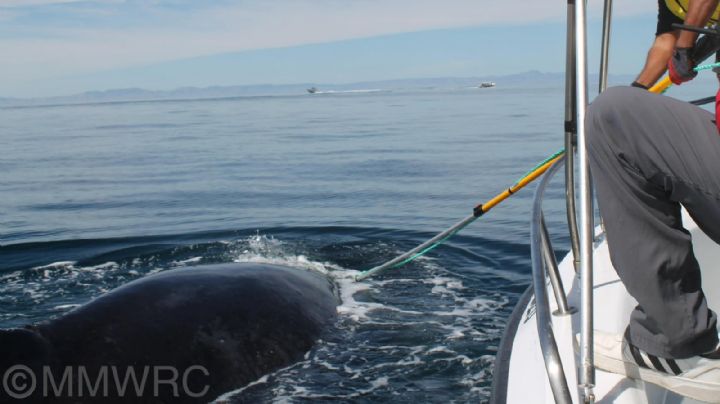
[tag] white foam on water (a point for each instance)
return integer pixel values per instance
(269, 250)
(284, 396)
(448, 355)
(66, 307)
(456, 333)
(449, 283)
(54, 265)
(226, 397)
(413, 360)
(473, 379)
(47, 287)
(379, 382)
(328, 365)
(441, 349)
(465, 360)
(40, 283)
(155, 270)
(386, 282)
(193, 260)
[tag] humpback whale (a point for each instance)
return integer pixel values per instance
(182, 335)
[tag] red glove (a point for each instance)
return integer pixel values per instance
(681, 66)
(717, 109)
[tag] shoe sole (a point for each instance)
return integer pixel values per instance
(611, 349)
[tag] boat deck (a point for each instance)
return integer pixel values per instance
(613, 306)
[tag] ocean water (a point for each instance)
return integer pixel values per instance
(94, 196)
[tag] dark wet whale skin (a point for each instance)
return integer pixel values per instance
(239, 321)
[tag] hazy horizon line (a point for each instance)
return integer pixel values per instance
(334, 85)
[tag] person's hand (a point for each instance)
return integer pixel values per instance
(681, 66)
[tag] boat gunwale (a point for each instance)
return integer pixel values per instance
(501, 367)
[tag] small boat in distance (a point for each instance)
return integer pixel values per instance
(312, 90)
(487, 84)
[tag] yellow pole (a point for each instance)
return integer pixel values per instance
(661, 85)
(519, 185)
(478, 211)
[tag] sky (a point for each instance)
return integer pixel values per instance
(60, 47)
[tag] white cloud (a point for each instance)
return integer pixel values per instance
(179, 33)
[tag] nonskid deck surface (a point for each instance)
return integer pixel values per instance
(527, 378)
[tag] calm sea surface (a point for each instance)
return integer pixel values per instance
(94, 196)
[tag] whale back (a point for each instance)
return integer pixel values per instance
(237, 321)
(23, 346)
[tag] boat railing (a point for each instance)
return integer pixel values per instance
(553, 273)
(543, 262)
(581, 237)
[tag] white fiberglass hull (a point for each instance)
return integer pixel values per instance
(520, 375)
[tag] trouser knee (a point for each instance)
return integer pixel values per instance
(608, 117)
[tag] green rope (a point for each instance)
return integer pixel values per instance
(707, 67)
(428, 249)
(425, 251)
(542, 163)
(437, 243)
(444, 239)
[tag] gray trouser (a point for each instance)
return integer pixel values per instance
(648, 154)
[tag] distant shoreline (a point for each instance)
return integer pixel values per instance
(135, 95)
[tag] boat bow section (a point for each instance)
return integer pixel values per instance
(520, 375)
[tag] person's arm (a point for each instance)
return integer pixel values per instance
(681, 65)
(698, 14)
(657, 59)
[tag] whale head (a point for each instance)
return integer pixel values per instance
(23, 346)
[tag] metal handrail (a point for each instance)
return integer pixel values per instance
(576, 100)
(570, 136)
(548, 346)
(587, 365)
(551, 266)
(605, 47)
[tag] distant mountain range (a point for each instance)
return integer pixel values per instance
(190, 93)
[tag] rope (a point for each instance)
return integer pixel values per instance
(478, 211)
(707, 67)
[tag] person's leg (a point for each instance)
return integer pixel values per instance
(648, 154)
(666, 19)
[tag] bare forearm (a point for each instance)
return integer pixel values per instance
(699, 12)
(657, 59)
